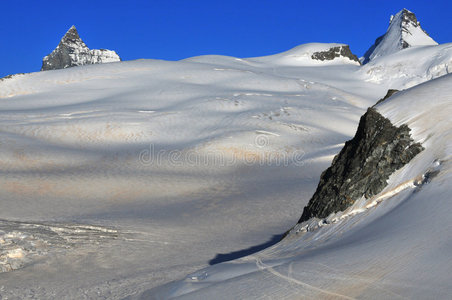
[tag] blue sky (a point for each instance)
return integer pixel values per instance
(177, 29)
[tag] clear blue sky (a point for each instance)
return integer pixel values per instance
(177, 29)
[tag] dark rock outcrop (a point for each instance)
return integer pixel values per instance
(363, 166)
(72, 51)
(334, 52)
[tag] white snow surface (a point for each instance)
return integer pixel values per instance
(410, 67)
(395, 245)
(119, 178)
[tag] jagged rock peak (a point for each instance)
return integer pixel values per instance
(72, 51)
(404, 31)
(71, 36)
(363, 166)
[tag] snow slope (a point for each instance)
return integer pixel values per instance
(410, 67)
(121, 177)
(395, 245)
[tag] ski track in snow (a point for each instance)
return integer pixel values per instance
(264, 267)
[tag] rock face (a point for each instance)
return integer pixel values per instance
(72, 51)
(363, 166)
(404, 31)
(332, 53)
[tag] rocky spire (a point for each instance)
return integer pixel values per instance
(72, 51)
(72, 38)
(404, 31)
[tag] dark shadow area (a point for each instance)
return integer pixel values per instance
(219, 258)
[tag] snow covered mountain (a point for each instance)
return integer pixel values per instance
(72, 51)
(404, 31)
(117, 179)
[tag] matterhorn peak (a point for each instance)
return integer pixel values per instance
(72, 51)
(404, 31)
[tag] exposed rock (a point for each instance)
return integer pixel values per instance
(388, 94)
(72, 51)
(334, 52)
(11, 76)
(404, 31)
(363, 166)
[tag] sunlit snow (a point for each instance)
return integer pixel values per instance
(119, 178)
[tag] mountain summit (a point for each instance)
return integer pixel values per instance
(72, 51)
(404, 31)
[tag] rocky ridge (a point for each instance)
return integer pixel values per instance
(334, 52)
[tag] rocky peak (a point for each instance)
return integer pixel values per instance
(404, 31)
(72, 51)
(408, 17)
(71, 37)
(363, 166)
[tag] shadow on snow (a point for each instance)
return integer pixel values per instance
(222, 257)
